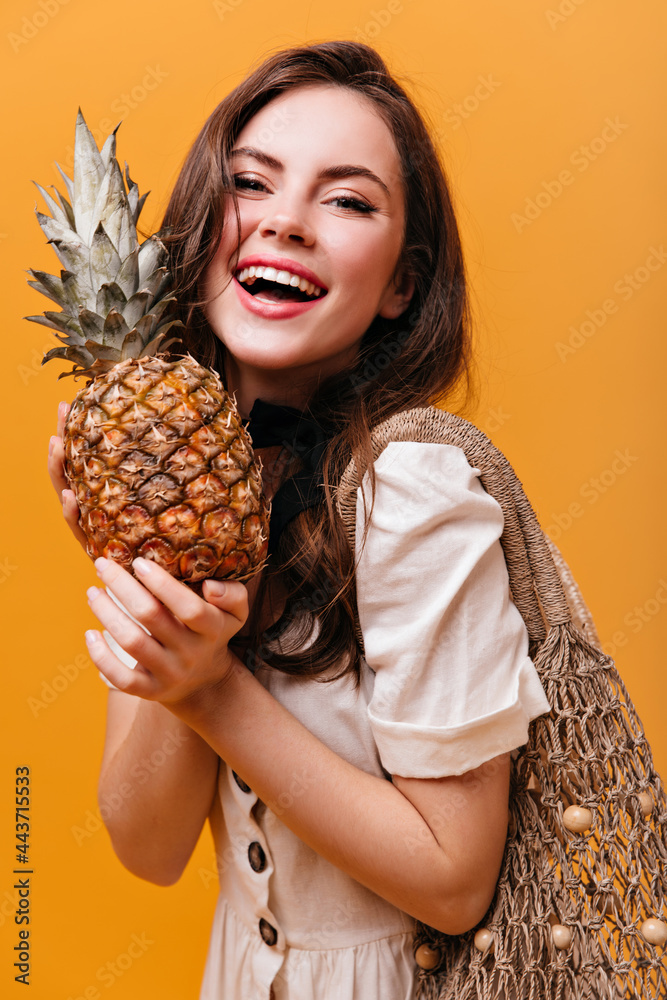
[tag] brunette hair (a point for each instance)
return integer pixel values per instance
(414, 360)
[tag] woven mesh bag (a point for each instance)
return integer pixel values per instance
(579, 910)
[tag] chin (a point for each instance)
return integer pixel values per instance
(268, 360)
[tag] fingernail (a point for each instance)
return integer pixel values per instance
(101, 564)
(52, 444)
(216, 588)
(92, 637)
(141, 566)
(92, 593)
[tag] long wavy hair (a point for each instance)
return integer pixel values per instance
(415, 360)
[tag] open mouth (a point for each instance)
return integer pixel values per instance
(274, 285)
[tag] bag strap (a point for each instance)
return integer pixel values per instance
(581, 613)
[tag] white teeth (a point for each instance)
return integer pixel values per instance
(249, 274)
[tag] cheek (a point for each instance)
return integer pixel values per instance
(372, 245)
(219, 268)
(216, 276)
(369, 268)
(213, 282)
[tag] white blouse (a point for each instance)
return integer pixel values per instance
(446, 684)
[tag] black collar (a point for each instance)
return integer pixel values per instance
(303, 437)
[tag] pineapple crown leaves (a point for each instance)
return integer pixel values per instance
(113, 293)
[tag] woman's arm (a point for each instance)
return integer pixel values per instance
(157, 782)
(431, 847)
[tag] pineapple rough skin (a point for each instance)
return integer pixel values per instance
(163, 468)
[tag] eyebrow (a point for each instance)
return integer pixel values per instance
(338, 171)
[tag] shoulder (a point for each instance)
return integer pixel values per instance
(406, 464)
(426, 518)
(428, 464)
(424, 481)
(430, 443)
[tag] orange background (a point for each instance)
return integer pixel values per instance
(513, 90)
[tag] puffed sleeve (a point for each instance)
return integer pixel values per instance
(454, 685)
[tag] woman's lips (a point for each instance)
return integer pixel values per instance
(272, 310)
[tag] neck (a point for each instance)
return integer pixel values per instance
(272, 386)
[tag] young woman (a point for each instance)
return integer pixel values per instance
(348, 795)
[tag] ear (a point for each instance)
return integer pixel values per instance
(397, 294)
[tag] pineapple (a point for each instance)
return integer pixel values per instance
(155, 449)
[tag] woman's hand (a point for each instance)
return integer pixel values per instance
(56, 468)
(181, 650)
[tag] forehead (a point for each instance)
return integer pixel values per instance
(325, 123)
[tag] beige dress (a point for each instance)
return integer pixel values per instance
(446, 685)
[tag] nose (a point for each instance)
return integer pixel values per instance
(286, 218)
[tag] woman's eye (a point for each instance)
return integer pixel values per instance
(353, 204)
(248, 183)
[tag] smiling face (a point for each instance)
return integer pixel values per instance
(322, 216)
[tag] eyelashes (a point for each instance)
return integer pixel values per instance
(346, 202)
(355, 204)
(246, 183)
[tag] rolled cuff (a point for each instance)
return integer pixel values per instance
(414, 751)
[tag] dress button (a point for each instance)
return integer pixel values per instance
(256, 857)
(269, 933)
(241, 783)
